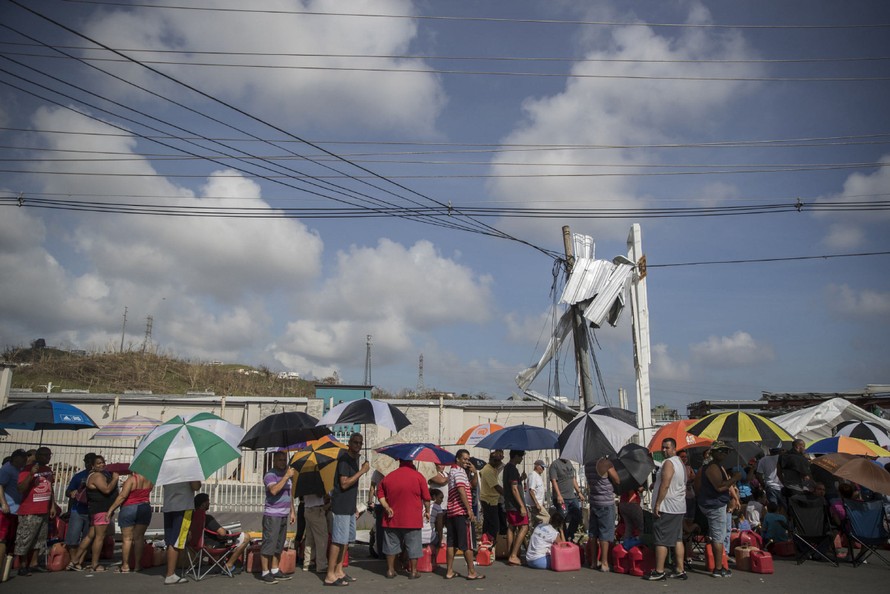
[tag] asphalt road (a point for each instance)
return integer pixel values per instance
(809, 578)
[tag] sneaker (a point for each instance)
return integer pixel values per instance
(655, 576)
(282, 577)
(725, 573)
(268, 579)
(174, 579)
(678, 576)
(717, 574)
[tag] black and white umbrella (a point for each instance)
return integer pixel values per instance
(599, 431)
(282, 430)
(864, 430)
(366, 412)
(634, 464)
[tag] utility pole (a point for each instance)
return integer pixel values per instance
(368, 361)
(123, 329)
(579, 330)
(639, 308)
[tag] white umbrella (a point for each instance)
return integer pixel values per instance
(599, 431)
(187, 449)
(366, 412)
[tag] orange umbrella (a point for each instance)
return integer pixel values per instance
(677, 431)
(476, 433)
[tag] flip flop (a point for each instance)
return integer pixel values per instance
(452, 576)
(479, 576)
(414, 576)
(97, 569)
(390, 576)
(74, 567)
(336, 583)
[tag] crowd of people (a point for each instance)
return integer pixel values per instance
(508, 507)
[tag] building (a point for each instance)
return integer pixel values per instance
(875, 398)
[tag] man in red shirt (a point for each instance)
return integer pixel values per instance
(405, 498)
(36, 509)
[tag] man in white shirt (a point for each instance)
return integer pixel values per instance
(669, 507)
(768, 476)
(535, 495)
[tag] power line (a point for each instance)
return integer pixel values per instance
(763, 260)
(488, 19)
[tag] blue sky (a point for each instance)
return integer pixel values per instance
(606, 106)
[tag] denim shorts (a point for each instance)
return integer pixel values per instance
(343, 529)
(131, 515)
(78, 527)
(716, 523)
(602, 523)
(395, 539)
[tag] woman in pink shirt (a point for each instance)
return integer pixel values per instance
(135, 516)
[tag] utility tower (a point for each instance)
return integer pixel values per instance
(123, 329)
(420, 388)
(146, 342)
(368, 361)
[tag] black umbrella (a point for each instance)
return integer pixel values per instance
(283, 429)
(634, 464)
(45, 415)
(597, 432)
(366, 412)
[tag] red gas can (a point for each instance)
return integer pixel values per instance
(148, 556)
(619, 559)
(761, 562)
(57, 558)
(287, 563)
(750, 539)
(254, 561)
(565, 556)
(426, 564)
(591, 552)
(783, 549)
(709, 560)
(641, 560)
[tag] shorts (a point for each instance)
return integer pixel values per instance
(343, 529)
(274, 534)
(539, 563)
(8, 524)
(516, 519)
(668, 529)
(99, 519)
(78, 528)
(394, 539)
(176, 528)
(133, 515)
(602, 523)
(461, 534)
(716, 523)
(31, 533)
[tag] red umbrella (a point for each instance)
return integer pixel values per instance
(677, 431)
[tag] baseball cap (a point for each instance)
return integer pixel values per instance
(720, 445)
(540, 463)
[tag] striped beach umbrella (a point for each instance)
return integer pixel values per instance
(477, 433)
(598, 431)
(134, 427)
(841, 444)
(366, 412)
(864, 430)
(188, 448)
(739, 427)
(316, 465)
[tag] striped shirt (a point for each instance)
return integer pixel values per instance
(458, 479)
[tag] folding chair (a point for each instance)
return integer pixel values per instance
(811, 527)
(865, 525)
(203, 559)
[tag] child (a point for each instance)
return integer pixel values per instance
(754, 510)
(775, 525)
(538, 554)
(432, 532)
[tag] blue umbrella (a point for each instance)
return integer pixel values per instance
(520, 437)
(45, 415)
(422, 452)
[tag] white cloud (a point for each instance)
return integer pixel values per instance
(299, 97)
(603, 111)
(389, 291)
(866, 304)
(664, 367)
(850, 230)
(738, 350)
(524, 329)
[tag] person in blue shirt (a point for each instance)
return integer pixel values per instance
(10, 498)
(79, 516)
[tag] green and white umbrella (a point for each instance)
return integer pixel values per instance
(187, 448)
